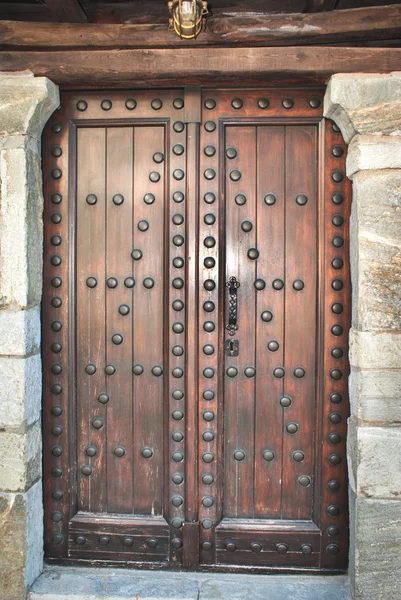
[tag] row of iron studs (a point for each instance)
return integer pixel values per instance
(56, 228)
(337, 329)
(177, 321)
(208, 332)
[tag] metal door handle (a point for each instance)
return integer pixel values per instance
(232, 285)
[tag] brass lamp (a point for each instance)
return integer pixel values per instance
(188, 17)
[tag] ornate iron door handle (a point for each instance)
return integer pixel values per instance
(232, 285)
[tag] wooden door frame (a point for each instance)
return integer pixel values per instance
(192, 117)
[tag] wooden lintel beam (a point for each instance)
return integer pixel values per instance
(200, 66)
(337, 27)
(67, 11)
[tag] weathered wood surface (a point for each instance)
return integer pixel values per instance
(313, 6)
(194, 200)
(380, 22)
(141, 11)
(69, 11)
(342, 26)
(158, 67)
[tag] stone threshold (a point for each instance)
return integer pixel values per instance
(82, 583)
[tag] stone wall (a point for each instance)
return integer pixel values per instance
(367, 108)
(25, 105)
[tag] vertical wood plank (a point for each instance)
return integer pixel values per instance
(179, 445)
(58, 411)
(191, 301)
(118, 267)
(210, 324)
(336, 308)
(300, 320)
(91, 342)
(149, 315)
(270, 328)
(240, 390)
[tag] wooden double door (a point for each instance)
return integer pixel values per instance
(195, 318)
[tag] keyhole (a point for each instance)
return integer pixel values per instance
(231, 347)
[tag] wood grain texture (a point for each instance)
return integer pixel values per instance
(282, 148)
(199, 66)
(118, 243)
(287, 160)
(211, 352)
(148, 308)
(336, 308)
(58, 409)
(300, 318)
(107, 160)
(270, 227)
(90, 307)
(180, 449)
(256, 28)
(67, 11)
(239, 412)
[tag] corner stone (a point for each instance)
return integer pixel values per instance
(362, 103)
(26, 103)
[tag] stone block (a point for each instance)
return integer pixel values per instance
(376, 250)
(21, 232)
(19, 331)
(83, 583)
(26, 103)
(20, 392)
(376, 540)
(20, 459)
(377, 198)
(21, 558)
(375, 396)
(362, 103)
(373, 152)
(375, 350)
(34, 533)
(375, 461)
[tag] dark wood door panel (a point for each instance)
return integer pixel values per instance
(110, 175)
(300, 309)
(239, 409)
(91, 304)
(276, 185)
(288, 332)
(164, 443)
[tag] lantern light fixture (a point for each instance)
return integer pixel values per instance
(188, 17)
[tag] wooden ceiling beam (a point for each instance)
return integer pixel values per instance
(200, 66)
(340, 27)
(67, 11)
(313, 6)
(349, 25)
(156, 11)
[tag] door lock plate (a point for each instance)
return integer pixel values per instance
(232, 347)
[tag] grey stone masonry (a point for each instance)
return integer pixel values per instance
(72, 583)
(26, 103)
(367, 108)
